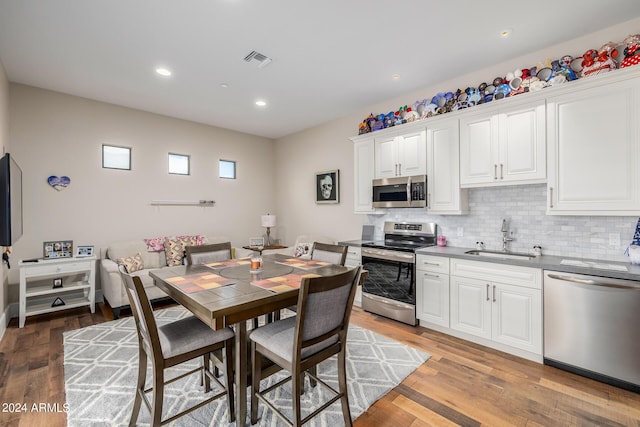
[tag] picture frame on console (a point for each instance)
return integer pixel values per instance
(328, 187)
(57, 249)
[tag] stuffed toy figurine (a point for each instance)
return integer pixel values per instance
(594, 62)
(420, 107)
(632, 51)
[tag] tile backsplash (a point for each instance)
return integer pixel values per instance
(524, 209)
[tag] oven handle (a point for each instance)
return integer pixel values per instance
(389, 255)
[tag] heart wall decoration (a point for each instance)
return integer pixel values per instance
(59, 182)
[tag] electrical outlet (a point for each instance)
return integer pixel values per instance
(460, 231)
(614, 239)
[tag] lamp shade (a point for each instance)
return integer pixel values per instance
(268, 220)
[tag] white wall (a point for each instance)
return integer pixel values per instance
(58, 134)
(327, 146)
(4, 144)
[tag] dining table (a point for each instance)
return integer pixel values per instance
(229, 293)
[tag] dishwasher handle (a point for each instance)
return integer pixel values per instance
(592, 282)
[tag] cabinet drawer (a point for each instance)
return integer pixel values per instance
(503, 273)
(43, 268)
(435, 264)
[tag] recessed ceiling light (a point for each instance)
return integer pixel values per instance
(506, 33)
(395, 76)
(163, 72)
(261, 103)
(224, 85)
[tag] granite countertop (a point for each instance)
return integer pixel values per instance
(356, 243)
(592, 267)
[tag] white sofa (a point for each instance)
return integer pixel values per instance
(111, 281)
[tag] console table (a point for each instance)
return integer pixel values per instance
(74, 279)
(264, 248)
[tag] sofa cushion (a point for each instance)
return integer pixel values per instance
(302, 248)
(174, 247)
(155, 244)
(132, 263)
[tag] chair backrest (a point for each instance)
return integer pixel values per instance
(335, 254)
(324, 308)
(148, 337)
(203, 254)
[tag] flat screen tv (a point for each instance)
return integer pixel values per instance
(10, 201)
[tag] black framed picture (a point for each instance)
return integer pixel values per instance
(328, 187)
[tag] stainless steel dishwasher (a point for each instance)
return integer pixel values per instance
(592, 327)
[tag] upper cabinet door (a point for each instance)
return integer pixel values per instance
(522, 144)
(386, 157)
(412, 154)
(363, 159)
(479, 149)
(503, 146)
(594, 150)
(444, 195)
(401, 155)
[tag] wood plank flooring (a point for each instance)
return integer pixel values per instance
(462, 384)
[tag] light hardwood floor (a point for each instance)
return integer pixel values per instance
(462, 384)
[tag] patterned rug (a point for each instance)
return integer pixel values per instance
(100, 369)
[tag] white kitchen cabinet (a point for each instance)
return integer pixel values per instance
(37, 294)
(432, 290)
(401, 154)
(363, 159)
(594, 148)
(444, 195)
(499, 303)
(504, 145)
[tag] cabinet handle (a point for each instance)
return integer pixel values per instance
(487, 292)
(495, 171)
(399, 169)
(431, 275)
(494, 293)
(551, 197)
(501, 171)
(396, 169)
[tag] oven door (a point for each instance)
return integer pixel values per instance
(391, 274)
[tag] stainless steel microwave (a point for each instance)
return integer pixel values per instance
(400, 192)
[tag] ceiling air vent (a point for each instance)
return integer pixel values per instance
(262, 60)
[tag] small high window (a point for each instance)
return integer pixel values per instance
(178, 164)
(227, 169)
(114, 157)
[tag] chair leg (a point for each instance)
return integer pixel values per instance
(142, 378)
(342, 384)
(158, 396)
(206, 365)
(296, 391)
(314, 371)
(256, 362)
(228, 367)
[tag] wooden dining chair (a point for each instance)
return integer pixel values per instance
(202, 254)
(335, 254)
(170, 345)
(296, 344)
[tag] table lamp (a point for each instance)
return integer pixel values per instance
(268, 221)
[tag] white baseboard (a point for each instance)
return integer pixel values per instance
(4, 321)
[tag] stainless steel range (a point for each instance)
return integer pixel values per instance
(390, 287)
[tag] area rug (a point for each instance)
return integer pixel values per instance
(100, 370)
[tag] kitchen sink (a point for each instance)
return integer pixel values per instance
(497, 254)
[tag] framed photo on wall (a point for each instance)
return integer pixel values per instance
(328, 187)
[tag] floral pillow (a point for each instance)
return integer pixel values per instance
(174, 247)
(302, 249)
(132, 263)
(155, 244)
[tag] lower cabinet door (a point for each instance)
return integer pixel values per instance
(517, 317)
(432, 297)
(471, 306)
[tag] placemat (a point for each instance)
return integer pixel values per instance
(283, 283)
(229, 263)
(199, 282)
(304, 264)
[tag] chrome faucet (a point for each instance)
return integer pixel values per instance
(505, 239)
